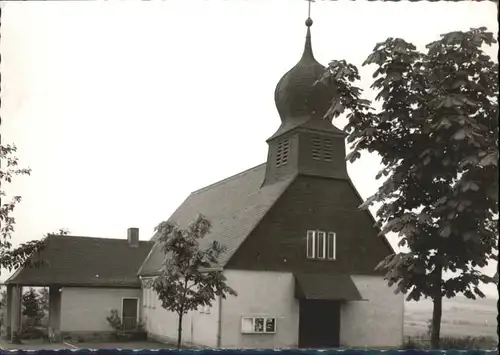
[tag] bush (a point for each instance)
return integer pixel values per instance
(411, 344)
(114, 320)
(453, 343)
(120, 334)
(31, 333)
(473, 343)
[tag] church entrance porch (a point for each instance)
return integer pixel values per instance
(320, 300)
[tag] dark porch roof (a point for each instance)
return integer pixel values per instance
(326, 287)
(85, 261)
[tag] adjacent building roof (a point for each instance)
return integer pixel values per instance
(326, 287)
(234, 206)
(85, 261)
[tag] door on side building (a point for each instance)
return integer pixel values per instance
(319, 324)
(130, 313)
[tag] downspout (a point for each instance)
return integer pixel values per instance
(219, 323)
(219, 312)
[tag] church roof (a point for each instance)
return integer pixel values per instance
(85, 261)
(234, 206)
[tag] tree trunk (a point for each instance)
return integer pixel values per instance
(437, 310)
(179, 331)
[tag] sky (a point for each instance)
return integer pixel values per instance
(123, 108)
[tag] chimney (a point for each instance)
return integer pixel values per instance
(133, 237)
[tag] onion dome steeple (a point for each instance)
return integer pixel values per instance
(306, 143)
(297, 99)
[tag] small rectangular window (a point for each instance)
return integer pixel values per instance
(332, 240)
(320, 245)
(310, 244)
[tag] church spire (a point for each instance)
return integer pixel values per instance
(297, 98)
(308, 53)
(305, 142)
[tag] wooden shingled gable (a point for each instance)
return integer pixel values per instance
(234, 206)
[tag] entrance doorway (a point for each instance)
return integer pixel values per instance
(129, 313)
(319, 324)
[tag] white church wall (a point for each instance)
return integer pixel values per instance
(198, 327)
(375, 322)
(260, 294)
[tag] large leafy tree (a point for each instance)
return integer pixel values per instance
(188, 279)
(437, 136)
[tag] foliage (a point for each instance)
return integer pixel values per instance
(188, 278)
(114, 320)
(32, 306)
(12, 257)
(44, 299)
(3, 305)
(3, 298)
(31, 333)
(122, 334)
(61, 231)
(437, 135)
(453, 343)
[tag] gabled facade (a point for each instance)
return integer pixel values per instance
(301, 255)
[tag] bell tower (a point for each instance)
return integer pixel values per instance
(305, 143)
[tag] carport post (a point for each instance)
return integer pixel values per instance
(8, 314)
(15, 314)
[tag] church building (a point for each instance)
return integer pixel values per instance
(300, 253)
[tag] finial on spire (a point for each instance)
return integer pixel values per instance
(308, 48)
(309, 21)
